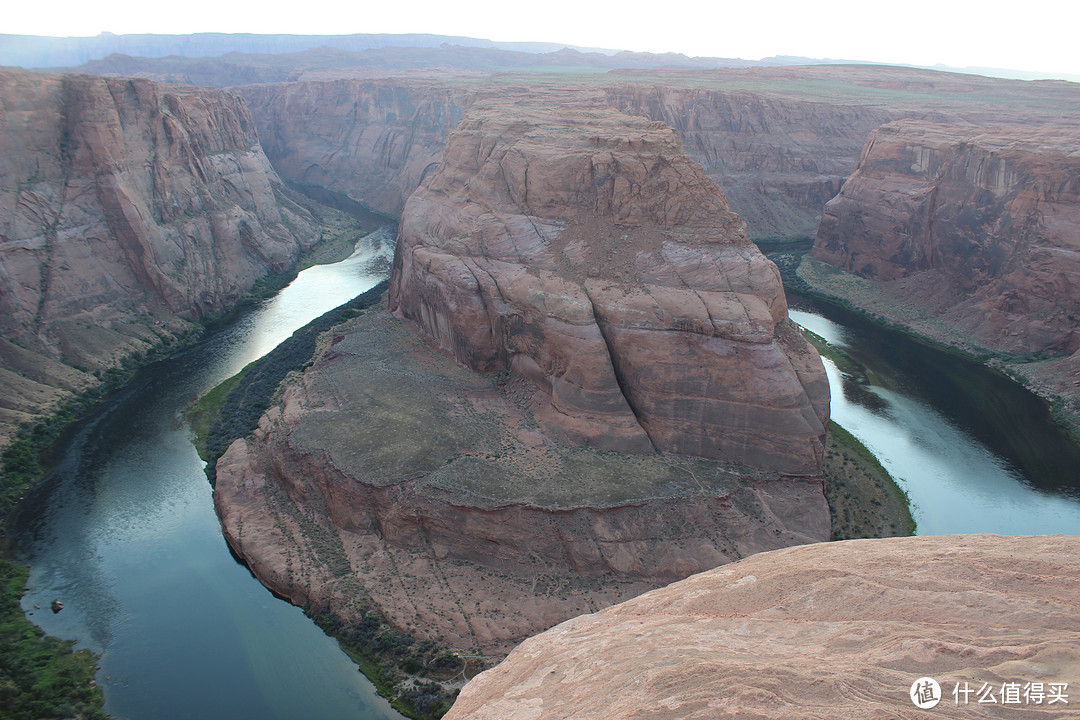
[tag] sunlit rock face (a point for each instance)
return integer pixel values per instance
(832, 630)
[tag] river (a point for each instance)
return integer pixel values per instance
(123, 530)
(975, 451)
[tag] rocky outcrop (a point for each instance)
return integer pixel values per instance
(127, 209)
(976, 225)
(373, 140)
(838, 630)
(390, 476)
(581, 248)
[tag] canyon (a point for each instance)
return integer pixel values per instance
(129, 210)
(583, 385)
(968, 235)
(781, 143)
(510, 456)
(978, 225)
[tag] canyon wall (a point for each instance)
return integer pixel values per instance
(778, 159)
(583, 249)
(128, 208)
(390, 476)
(978, 225)
(373, 140)
(838, 630)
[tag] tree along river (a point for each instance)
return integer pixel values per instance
(124, 532)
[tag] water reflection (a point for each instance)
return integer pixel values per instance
(957, 482)
(125, 533)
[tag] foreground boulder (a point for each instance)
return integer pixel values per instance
(837, 630)
(581, 248)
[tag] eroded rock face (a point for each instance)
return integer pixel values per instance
(371, 139)
(390, 475)
(778, 160)
(837, 630)
(979, 225)
(581, 248)
(127, 208)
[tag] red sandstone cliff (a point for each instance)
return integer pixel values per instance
(979, 225)
(778, 159)
(391, 476)
(127, 207)
(835, 630)
(371, 139)
(780, 141)
(581, 248)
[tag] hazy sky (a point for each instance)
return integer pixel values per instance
(1040, 36)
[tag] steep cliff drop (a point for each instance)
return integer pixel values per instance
(778, 158)
(614, 307)
(969, 235)
(980, 225)
(836, 630)
(128, 208)
(372, 139)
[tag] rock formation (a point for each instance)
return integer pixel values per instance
(127, 208)
(581, 248)
(601, 303)
(389, 474)
(371, 139)
(779, 141)
(778, 159)
(977, 226)
(836, 630)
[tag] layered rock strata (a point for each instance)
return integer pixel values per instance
(390, 475)
(373, 140)
(581, 248)
(977, 227)
(778, 159)
(838, 630)
(126, 209)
